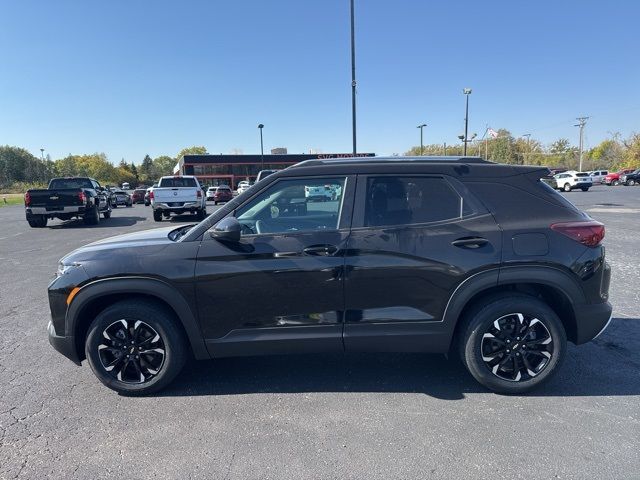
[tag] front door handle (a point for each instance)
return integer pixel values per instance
(470, 242)
(323, 250)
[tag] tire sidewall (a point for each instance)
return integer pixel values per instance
(161, 322)
(479, 324)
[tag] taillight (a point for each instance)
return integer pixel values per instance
(82, 197)
(589, 233)
(151, 195)
(27, 199)
(199, 194)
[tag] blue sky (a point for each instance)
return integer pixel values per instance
(134, 77)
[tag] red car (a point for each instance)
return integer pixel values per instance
(222, 194)
(614, 177)
(138, 195)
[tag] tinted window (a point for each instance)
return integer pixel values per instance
(406, 200)
(61, 183)
(294, 205)
(582, 174)
(177, 182)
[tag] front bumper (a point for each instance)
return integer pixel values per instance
(591, 320)
(64, 345)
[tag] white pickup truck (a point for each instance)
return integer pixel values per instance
(178, 194)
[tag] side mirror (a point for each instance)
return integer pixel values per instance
(226, 230)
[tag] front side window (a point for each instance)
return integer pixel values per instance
(411, 200)
(294, 205)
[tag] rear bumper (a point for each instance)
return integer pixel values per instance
(591, 320)
(64, 345)
(64, 210)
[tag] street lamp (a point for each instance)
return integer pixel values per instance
(353, 78)
(421, 127)
(467, 92)
(260, 127)
(42, 153)
(526, 156)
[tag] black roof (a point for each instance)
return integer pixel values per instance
(394, 159)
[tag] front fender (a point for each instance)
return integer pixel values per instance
(152, 287)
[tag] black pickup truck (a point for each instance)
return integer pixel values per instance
(65, 198)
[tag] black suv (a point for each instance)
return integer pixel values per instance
(437, 255)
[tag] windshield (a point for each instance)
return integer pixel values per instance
(177, 182)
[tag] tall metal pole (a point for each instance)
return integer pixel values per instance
(582, 121)
(467, 91)
(525, 157)
(445, 149)
(353, 79)
(42, 153)
(260, 127)
(421, 143)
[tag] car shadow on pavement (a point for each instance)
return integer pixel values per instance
(608, 366)
(114, 221)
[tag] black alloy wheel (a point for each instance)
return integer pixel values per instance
(136, 347)
(131, 351)
(517, 347)
(511, 342)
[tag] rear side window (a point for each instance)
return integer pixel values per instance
(410, 200)
(582, 174)
(177, 182)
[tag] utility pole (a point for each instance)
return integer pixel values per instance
(445, 149)
(467, 92)
(582, 121)
(421, 144)
(525, 157)
(42, 153)
(353, 79)
(260, 127)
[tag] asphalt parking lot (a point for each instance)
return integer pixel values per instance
(359, 416)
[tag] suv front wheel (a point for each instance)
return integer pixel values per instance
(135, 347)
(513, 343)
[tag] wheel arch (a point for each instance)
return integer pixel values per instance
(96, 296)
(555, 287)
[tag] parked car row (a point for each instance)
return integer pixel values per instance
(614, 178)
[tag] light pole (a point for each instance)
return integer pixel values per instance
(353, 79)
(421, 127)
(260, 127)
(526, 156)
(467, 92)
(42, 153)
(582, 121)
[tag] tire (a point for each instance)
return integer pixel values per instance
(107, 214)
(615, 183)
(215, 203)
(39, 221)
(631, 183)
(478, 339)
(92, 217)
(146, 366)
(567, 187)
(157, 215)
(202, 213)
(584, 189)
(115, 205)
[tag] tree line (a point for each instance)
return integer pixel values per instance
(611, 154)
(20, 169)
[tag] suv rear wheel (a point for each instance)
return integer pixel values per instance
(135, 347)
(567, 187)
(513, 343)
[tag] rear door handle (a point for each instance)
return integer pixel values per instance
(323, 250)
(470, 242)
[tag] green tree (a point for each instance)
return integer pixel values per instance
(163, 165)
(147, 170)
(195, 150)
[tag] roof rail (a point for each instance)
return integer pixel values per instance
(422, 159)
